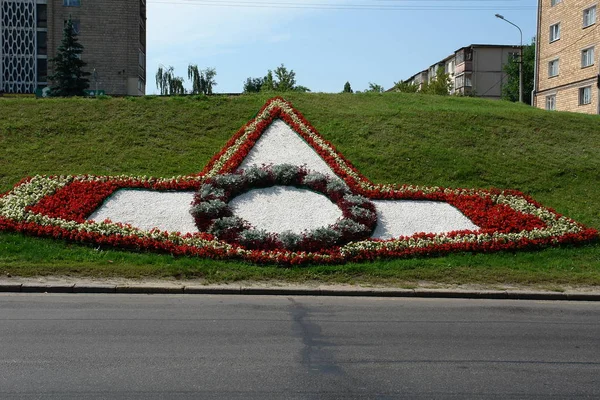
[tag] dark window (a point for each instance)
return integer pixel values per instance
(71, 3)
(42, 15)
(76, 25)
(42, 70)
(42, 43)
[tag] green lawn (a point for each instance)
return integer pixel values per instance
(391, 138)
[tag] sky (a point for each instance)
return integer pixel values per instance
(325, 42)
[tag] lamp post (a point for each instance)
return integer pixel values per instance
(521, 61)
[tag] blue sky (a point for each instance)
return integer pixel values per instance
(325, 47)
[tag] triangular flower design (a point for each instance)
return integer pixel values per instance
(154, 213)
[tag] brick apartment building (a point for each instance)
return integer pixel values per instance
(568, 61)
(113, 33)
(477, 70)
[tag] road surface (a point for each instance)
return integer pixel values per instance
(257, 347)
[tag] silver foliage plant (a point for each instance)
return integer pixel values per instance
(211, 210)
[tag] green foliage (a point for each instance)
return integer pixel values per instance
(253, 85)
(510, 90)
(347, 88)
(405, 87)
(374, 88)
(202, 80)
(399, 138)
(168, 83)
(441, 85)
(69, 78)
(281, 80)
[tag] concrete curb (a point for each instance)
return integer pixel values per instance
(297, 291)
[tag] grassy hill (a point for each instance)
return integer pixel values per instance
(391, 138)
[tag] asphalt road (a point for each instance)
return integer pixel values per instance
(253, 347)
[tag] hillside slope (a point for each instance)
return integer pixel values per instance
(390, 138)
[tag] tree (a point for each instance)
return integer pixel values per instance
(374, 88)
(441, 85)
(202, 80)
(510, 90)
(69, 78)
(168, 83)
(405, 87)
(280, 80)
(253, 85)
(347, 88)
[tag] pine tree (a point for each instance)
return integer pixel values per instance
(69, 79)
(347, 88)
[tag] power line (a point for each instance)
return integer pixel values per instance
(442, 6)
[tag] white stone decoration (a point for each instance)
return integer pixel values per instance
(147, 209)
(279, 144)
(397, 218)
(283, 208)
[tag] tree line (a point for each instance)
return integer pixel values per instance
(70, 79)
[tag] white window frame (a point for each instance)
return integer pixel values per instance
(587, 57)
(553, 68)
(585, 95)
(551, 102)
(554, 2)
(554, 32)
(589, 16)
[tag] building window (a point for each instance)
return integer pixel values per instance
(71, 3)
(42, 43)
(551, 102)
(585, 95)
(554, 32)
(76, 26)
(587, 57)
(459, 82)
(468, 82)
(41, 15)
(42, 70)
(553, 68)
(589, 16)
(554, 2)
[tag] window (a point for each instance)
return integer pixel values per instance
(585, 95)
(42, 42)
(554, 32)
(76, 26)
(551, 102)
(589, 16)
(553, 68)
(42, 70)
(468, 80)
(42, 15)
(554, 2)
(71, 3)
(587, 57)
(459, 81)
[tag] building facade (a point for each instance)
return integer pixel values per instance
(113, 33)
(567, 56)
(475, 70)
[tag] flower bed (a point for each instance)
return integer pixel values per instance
(58, 207)
(213, 214)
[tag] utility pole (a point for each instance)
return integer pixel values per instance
(520, 58)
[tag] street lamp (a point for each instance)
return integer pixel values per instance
(521, 61)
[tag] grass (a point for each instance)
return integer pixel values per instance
(391, 138)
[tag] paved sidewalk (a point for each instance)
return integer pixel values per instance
(133, 286)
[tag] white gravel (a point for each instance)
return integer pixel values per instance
(147, 209)
(283, 208)
(397, 218)
(280, 208)
(279, 144)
